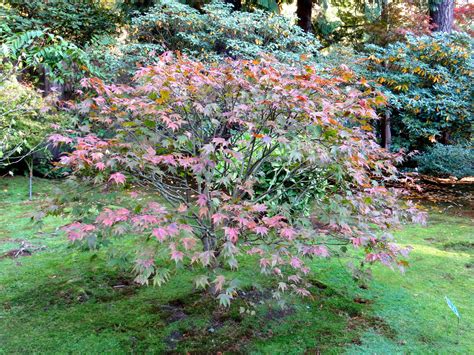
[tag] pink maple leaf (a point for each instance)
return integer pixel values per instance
(156, 208)
(109, 217)
(56, 139)
(259, 207)
(241, 220)
(356, 241)
(168, 159)
(118, 178)
(203, 211)
(97, 156)
(273, 221)
(294, 278)
(255, 250)
(188, 243)
(219, 282)
(182, 208)
(176, 255)
(202, 200)
(321, 250)
(218, 218)
(172, 229)
(305, 270)
(264, 262)
(160, 233)
(261, 230)
(146, 263)
(232, 233)
(100, 166)
(372, 257)
(144, 220)
(218, 140)
(288, 233)
(296, 263)
(77, 230)
(302, 292)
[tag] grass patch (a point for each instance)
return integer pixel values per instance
(62, 300)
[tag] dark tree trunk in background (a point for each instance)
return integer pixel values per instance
(445, 137)
(140, 4)
(304, 9)
(386, 131)
(384, 14)
(236, 3)
(442, 16)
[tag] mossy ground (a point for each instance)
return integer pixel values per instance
(62, 300)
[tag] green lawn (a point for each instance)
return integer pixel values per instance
(62, 300)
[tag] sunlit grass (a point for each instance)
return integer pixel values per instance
(62, 300)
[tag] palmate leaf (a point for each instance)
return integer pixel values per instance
(202, 281)
(224, 299)
(161, 276)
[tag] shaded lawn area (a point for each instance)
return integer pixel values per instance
(60, 299)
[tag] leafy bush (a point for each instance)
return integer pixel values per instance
(358, 22)
(25, 121)
(45, 40)
(77, 21)
(210, 35)
(218, 32)
(38, 53)
(428, 82)
(201, 137)
(116, 61)
(447, 160)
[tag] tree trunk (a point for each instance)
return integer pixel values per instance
(304, 10)
(384, 12)
(386, 131)
(209, 242)
(29, 163)
(237, 4)
(445, 137)
(49, 86)
(442, 16)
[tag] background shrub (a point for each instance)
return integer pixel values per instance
(447, 160)
(218, 32)
(77, 21)
(428, 83)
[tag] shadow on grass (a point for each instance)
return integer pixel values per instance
(53, 302)
(62, 300)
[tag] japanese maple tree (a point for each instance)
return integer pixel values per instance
(223, 145)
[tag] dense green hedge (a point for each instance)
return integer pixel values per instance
(447, 160)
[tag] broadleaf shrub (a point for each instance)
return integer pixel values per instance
(38, 53)
(218, 32)
(203, 138)
(428, 83)
(359, 22)
(46, 40)
(76, 21)
(447, 160)
(210, 35)
(26, 119)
